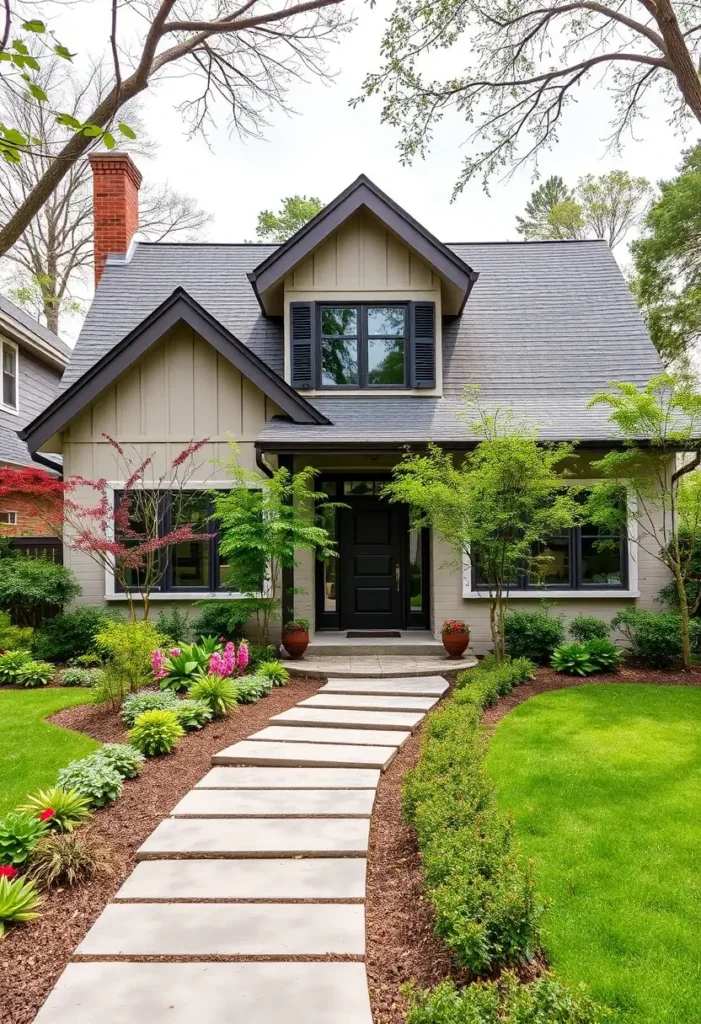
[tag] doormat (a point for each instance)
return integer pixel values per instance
(379, 633)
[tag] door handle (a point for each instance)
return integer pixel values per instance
(397, 575)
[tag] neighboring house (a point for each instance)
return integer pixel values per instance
(32, 359)
(337, 349)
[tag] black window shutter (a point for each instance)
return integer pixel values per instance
(423, 344)
(303, 336)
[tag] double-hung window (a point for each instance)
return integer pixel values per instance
(9, 375)
(193, 566)
(363, 345)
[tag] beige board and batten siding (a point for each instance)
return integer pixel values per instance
(181, 390)
(364, 262)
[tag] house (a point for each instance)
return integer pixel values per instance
(32, 360)
(338, 349)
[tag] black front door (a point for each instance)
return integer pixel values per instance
(370, 535)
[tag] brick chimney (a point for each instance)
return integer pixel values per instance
(116, 182)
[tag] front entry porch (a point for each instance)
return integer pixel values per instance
(334, 654)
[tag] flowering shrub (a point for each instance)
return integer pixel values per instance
(94, 778)
(156, 732)
(297, 626)
(147, 700)
(19, 834)
(455, 626)
(176, 669)
(18, 901)
(62, 809)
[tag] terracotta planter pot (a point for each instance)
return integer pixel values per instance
(295, 643)
(455, 643)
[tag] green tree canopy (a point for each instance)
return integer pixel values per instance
(293, 214)
(667, 261)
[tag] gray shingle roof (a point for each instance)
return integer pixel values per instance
(546, 326)
(30, 324)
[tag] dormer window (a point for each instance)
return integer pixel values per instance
(352, 345)
(363, 346)
(9, 375)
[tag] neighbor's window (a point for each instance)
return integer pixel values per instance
(8, 518)
(363, 346)
(9, 375)
(194, 565)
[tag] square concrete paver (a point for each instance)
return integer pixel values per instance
(347, 718)
(209, 993)
(247, 777)
(428, 686)
(317, 734)
(367, 702)
(313, 878)
(280, 803)
(248, 929)
(260, 752)
(257, 837)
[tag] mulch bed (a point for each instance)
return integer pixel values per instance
(33, 956)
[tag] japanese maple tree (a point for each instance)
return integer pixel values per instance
(126, 537)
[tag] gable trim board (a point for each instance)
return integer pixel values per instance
(179, 307)
(362, 193)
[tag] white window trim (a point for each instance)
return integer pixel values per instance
(470, 593)
(112, 594)
(14, 409)
(10, 522)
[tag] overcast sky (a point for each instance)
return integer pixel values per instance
(323, 148)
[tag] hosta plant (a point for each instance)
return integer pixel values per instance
(149, 700)
(123, 757)
(604, 655)
(93, 777)
(252, 688)
(574, 659)
(35, 673)
(275, 671)
(11, 664)
(193, 714)
(81, 676)
(18, 901)
(176, 669)
(65, 860)
(156, 732)
(70, 808)
(219, 693)
(19, 834)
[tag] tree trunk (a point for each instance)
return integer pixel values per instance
(684, 612)
(679, 56)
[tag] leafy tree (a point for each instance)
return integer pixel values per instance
(241, 56)
(56, 249)
(667, 261)
(27, 585)
(661, 475)
(495, 508)
(264, 522)
(607, 206)
(125, 539)
(292, 215)
(520, 67)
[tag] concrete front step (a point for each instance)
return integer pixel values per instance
(248, 777)
(257, 837)
(209, 993)
(276, 803)
(317, 734)
(401, 721)
(431, 686)
(367, 702)
(338, 878)
(220, 929)
(378, 667)
(322, 755)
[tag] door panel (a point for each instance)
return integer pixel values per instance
(370, 547)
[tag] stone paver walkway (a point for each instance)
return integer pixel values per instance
(262, 867)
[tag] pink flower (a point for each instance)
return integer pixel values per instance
(217, 665)
(230, 658)
(158, 664)
(242, 656)
(175, 652)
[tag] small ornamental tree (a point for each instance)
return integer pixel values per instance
(126, 537)
(495, 508)
(660, 474)
(263, 523)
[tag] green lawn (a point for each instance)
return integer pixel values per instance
(32, 750)
(605, 786)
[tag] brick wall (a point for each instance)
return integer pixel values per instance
(30, 522)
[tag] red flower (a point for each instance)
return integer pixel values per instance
(49, 812)
(8, 872)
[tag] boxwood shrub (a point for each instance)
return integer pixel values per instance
(483, 895)
(533, 635)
